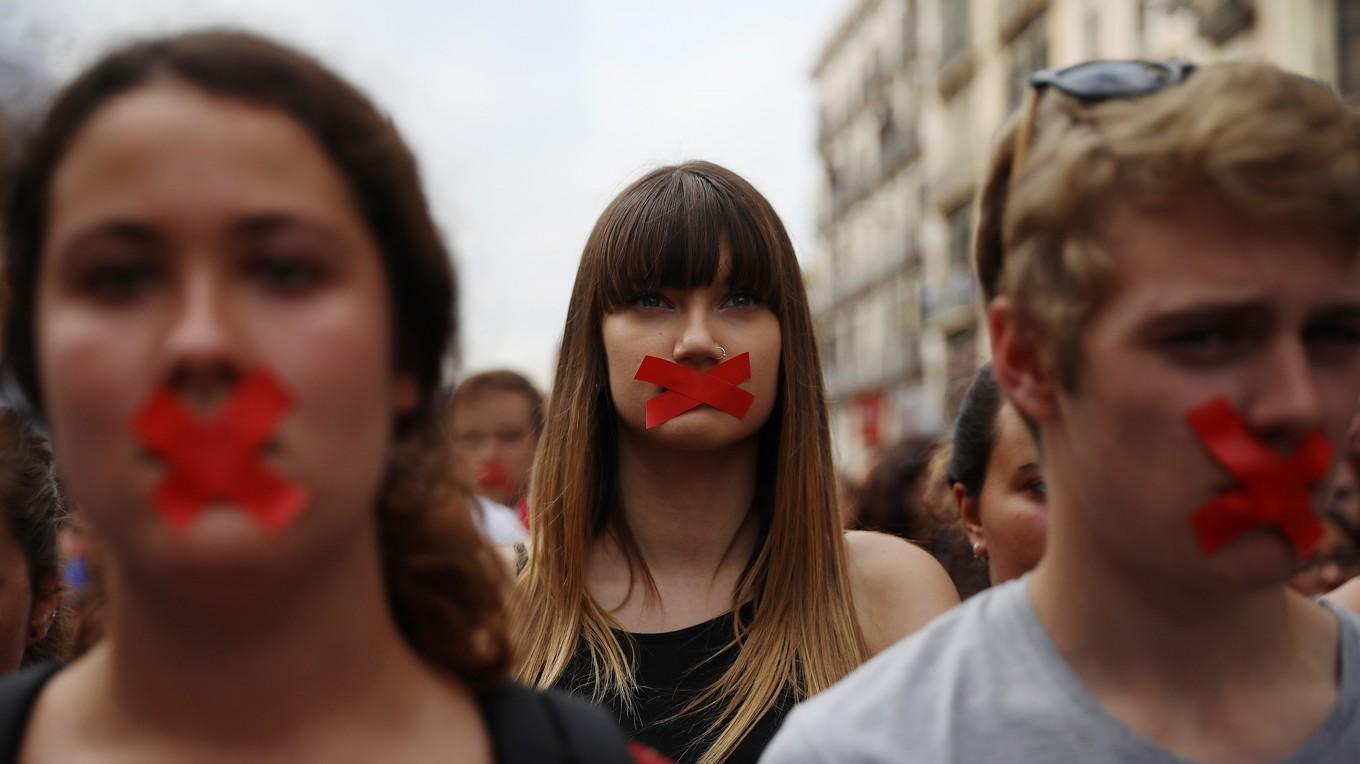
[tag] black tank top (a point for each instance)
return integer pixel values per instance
(672, 669)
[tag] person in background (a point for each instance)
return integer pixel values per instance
(33, 623)
(1179, 319)
(687, 566)
(231, 307)
(901, 497)
(995, 482)
(496, 418)
(890, 498)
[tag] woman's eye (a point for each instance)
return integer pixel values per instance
(1037, 487)
(286, 273)
(742, 300)
(118, 281)
(649, 301)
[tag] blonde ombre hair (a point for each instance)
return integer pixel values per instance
(1278, 146)
(664, 231)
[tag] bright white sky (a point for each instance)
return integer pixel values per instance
(529, 115)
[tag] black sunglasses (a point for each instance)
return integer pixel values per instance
(1093, 82)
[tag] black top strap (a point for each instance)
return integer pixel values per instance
(18, 694)
(526, 726)
(545, 727)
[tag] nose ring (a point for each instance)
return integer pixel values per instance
(722, 353)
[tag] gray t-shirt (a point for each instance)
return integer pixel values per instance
(984, 683)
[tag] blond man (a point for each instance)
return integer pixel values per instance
(1171, 254)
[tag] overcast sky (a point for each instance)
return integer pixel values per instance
(529, 116)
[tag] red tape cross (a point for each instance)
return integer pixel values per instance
(217, 459)
(690, 388)
(1274, 488)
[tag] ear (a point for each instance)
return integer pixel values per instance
(971, 517)
(1019, 363)
(44, 610)
(405, 393)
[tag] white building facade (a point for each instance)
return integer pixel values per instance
(911, 94)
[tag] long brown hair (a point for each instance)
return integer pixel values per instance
(665, 230)
(443, 582)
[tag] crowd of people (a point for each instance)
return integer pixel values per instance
(284, 537)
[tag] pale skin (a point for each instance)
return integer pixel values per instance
(191, 237)
(686, 487)
(1187, 650)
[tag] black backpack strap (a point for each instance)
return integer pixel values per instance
(545, 727)
(18, 694)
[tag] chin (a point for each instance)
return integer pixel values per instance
(701, 431)
(222, 545)
(1259, 559)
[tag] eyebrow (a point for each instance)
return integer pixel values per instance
(1247, 310)
(272, 223)
(129, 231)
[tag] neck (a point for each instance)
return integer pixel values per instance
(263, 660)
(688, 511)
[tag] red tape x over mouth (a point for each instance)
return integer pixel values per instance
(218, 458)
(1275, 489)
(687, 388)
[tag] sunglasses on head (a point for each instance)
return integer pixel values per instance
(1094, 82)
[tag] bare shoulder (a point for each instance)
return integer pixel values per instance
(1346, 596)
(898, 587)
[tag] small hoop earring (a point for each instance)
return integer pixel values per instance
(722, 353)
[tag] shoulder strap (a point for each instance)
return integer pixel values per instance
(18, 694)
(544, 727)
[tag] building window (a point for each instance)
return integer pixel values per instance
(956, 33)
(1029, 53)
(1348, 49)
(960, 235)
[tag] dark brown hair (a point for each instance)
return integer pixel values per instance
(503, 381)
(890, 499)
(33, 507)
(443, 581)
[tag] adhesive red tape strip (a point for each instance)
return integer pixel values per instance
(217, 459)
(1275, 489)
(493, 475)
(689, 388)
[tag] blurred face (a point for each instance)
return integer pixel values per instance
(495, 439)
(191, 238)
(1208, 303)
(692, 328)
(1008, 520)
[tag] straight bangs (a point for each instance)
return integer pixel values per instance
(668, 233)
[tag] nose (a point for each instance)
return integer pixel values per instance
(201, 346)
(697, 345)
(1288, 404)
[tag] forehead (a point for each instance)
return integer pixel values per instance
(1204, 251)
(169, 150)
(489, 408)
